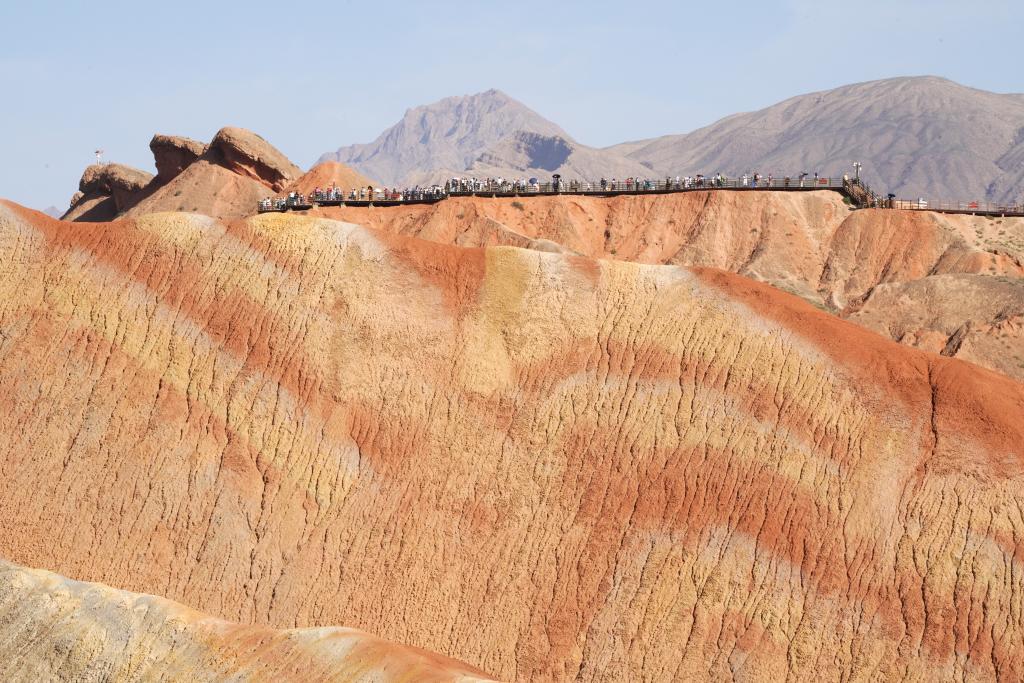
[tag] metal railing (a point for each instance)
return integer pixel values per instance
(473, 188)
(491, 188)
(986, 208)
(853, 188)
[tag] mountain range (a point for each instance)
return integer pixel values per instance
(487, 134)
(915, 136)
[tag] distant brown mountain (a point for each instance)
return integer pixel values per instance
(923, 136)
(918, 137)
(487, 134)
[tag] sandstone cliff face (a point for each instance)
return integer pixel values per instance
(809, 244)
(173, 154)
(206, 188)
(777, 237)
(248, 154)
(105, 190)
(883, 246)
(54, 629)
(547, 466)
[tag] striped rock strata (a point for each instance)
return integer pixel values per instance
(810, 244)
(547, 466)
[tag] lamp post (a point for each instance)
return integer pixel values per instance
(856, 170)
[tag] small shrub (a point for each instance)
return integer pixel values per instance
(518, 205)
(177, 193)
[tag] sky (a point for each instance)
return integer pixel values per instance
(311, 77)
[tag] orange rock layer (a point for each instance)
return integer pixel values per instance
(809, 244)
(547, 466)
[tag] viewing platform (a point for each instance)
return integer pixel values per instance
(854, 190)
(492, 190)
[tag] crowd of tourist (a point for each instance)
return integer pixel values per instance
(336, 194)
(521, 186)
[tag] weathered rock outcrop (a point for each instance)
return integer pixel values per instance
(225, 179)
(105, 190)
(247, 154)
(55, 629)
(173, 154)
(548, 466)
(116, 180)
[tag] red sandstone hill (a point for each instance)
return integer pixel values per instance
(944, 283)
(224, 179)
(809, 244)
(329, 174)
(550, 466)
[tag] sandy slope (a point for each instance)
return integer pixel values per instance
(547, 466)
(206, 188)
(55, 629)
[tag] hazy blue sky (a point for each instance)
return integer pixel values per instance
(311, 77)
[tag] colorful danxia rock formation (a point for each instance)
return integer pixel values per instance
(949, 284)
(225, 179)
(548, 466)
